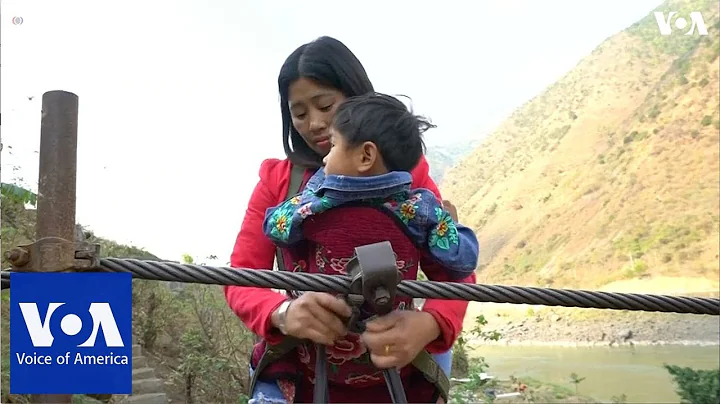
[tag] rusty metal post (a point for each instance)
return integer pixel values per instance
(56, 187)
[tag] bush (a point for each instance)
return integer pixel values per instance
(202, 347)
(471, 368)
(696, 386)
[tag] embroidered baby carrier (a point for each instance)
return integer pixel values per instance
(331, 239)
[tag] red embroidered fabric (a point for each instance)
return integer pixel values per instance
(331, 241)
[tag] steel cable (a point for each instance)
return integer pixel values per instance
(190, 273)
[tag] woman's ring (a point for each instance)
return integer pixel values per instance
(387, 349)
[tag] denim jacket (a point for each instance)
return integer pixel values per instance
(452, 245)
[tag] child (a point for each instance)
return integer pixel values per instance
(375, 142)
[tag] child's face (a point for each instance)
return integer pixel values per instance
(353, 161)
(341, 160)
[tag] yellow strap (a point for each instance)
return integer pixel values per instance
(426, 364)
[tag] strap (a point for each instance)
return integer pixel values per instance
(296, 178)
(426, 364)
(321, 393)
(395, 386)
(271, 354)
(275, 352)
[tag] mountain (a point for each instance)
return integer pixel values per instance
(611, 174)
(441, 158)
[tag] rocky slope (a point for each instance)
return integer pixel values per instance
(559, 326)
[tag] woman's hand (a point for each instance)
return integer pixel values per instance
(451, 209)
(317, 317)
(396, 339)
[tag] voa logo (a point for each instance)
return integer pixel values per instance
(696, 23)
(71, 333)
(74, 334)
(71, 324)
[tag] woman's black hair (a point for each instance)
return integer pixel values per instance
(330, 63)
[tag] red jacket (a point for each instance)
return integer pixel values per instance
(253, 250)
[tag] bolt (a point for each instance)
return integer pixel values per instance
(18, 256)
(382, 296)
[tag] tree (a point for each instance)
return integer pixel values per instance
(696, 386)
(18, 194)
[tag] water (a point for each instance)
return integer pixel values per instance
(636, 372)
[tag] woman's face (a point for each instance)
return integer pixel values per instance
(312, 107)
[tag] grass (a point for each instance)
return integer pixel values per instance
(662, 237)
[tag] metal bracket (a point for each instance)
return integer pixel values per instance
(61, 256)
(373, 278)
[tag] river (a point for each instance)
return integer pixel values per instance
(636, 372)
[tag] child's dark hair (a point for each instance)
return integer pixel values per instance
(385, 121)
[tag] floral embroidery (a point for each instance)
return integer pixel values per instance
(287, 387)
(325, 203)
(359, 378)
(346, 349)
(305, 210)
(280, 222)
(403, 266)
(300, 266)
(444, 232)
(295, 200)
(303, 354)
(391, 204)
(415, 198)
(407, 206)
(408, 210)
(339, 264)
(320, 258)
(392, 201)
(319, 261)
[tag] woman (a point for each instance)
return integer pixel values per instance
(313, 81)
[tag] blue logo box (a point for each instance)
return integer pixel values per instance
(71, 333)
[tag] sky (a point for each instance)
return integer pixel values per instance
(178, 101)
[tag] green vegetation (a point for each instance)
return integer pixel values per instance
(473, 387)
(15, 193)
(670, 237)
(696, 386)
(576, 380)
(647, 30)
(195, 343)
(199, 346)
